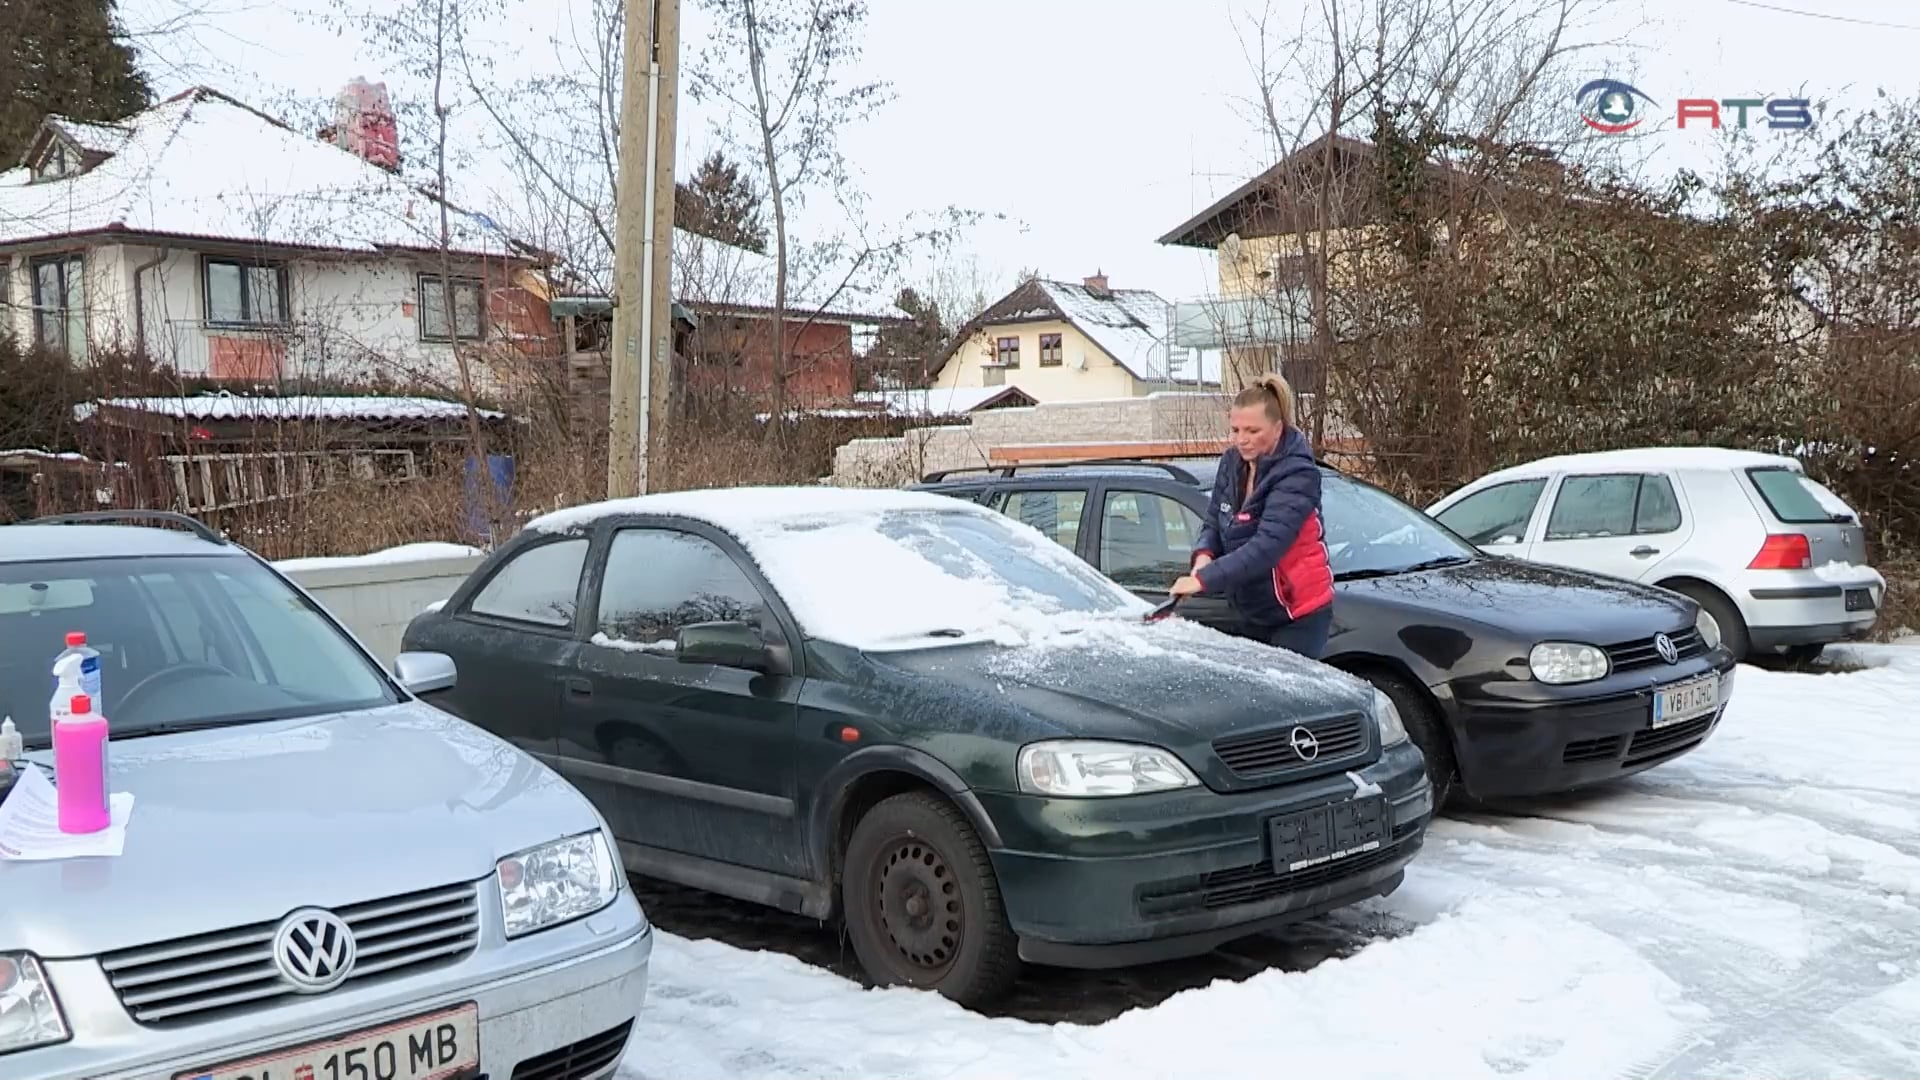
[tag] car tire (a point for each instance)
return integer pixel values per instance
(1427, 731)
(1802, 655)
(922, 905)
(1733, 628)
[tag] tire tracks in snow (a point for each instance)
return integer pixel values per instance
(1773, 947)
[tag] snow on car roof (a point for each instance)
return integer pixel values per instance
(852, 572)
(1653, 457)
(749, 507)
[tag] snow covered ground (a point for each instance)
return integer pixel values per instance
(1752, 909)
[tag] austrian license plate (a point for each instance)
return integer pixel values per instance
(1859, 599)
(1685, 701)
(438, 1046)
(1328, 833)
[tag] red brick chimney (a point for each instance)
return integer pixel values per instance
(1097, 283)
(363, 124)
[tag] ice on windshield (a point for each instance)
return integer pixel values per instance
(899, 576)
(1370, 530)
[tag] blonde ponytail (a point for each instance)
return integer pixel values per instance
(1271, 392)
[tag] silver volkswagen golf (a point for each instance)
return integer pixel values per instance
(321, 878)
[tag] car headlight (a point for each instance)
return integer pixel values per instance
(29, 1015)
(1562, 662)
(1386, 714)
(556, 882)
(1709, 628)
(1078, 768)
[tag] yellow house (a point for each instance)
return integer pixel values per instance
(1059, 341)
(1326, 191)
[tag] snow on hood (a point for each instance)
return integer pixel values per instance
(881, 569)
(1186, 658)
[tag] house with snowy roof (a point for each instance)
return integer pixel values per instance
(229, 246)
(1061, 341)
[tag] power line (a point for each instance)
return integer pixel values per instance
(1825, 15)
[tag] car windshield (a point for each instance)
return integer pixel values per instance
(183, 641)
(899, 577)
(1370, 533)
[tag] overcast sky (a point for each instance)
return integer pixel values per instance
(1098, 124)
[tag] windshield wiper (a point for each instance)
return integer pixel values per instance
(179, 726)
(1380, 572)
(1435, 564)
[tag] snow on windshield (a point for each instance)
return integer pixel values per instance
(879, 569)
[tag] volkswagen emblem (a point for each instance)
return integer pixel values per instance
(1304, 743)
(1663, 645)
(314, 950)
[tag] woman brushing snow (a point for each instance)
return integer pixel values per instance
(1262, 545)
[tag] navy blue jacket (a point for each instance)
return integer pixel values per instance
(1269, 550)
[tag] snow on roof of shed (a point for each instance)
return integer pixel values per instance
(202, 165)
(940, 400)
(303, 407)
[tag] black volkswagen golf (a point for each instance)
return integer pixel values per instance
(1513, 678)
(923, 717)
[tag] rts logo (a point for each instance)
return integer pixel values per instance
(1613, 107)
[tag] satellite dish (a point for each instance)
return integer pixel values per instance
(1230, 247)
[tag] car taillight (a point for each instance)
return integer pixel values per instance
(1783, 551)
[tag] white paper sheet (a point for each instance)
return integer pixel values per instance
(30, 823)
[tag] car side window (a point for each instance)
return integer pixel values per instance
(1496, 515)
(1146, 540)
(540, 585)
(1592, 507)
(1056, 513)
(660, 580)
(1658, 510)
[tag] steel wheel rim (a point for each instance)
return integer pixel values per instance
(918, 901)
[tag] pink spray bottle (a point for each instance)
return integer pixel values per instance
(79, 753)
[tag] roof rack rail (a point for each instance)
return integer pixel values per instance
(1174, 471)
(199, 528)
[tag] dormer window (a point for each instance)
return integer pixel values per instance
(56, 161)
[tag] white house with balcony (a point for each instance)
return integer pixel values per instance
(232, 247)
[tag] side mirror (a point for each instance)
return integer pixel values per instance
(723, 644)
(425, 672)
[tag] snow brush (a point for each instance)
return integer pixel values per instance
(1163, 611)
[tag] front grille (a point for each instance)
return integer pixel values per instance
(1630, 655)
(1269, 752)
(1587, 751)
(1668, 742)
(199, 978)
(1251, 884)
(585, 1058)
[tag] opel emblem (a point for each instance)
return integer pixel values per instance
(314, 950)
(1663, 645)
(1304, 743)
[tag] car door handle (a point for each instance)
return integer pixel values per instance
(579, 688)
(1643, 551)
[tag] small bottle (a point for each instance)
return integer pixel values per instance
(80, 767)
(89, 663)
(66, 683)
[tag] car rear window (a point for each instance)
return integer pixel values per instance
(1789, 496)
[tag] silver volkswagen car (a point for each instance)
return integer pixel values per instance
(321, 878)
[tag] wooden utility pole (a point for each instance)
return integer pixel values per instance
(666, 110)
(642, 245)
